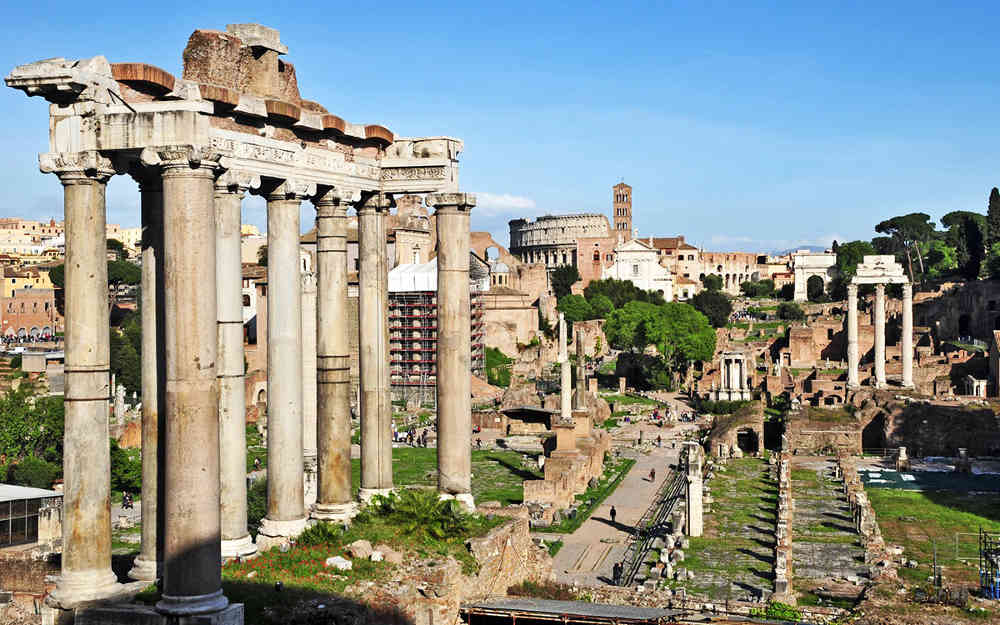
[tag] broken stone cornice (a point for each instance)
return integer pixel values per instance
(258, 36)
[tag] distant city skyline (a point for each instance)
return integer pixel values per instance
(740, 127)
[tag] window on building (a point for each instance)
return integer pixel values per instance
(246, 299)
(635, 270)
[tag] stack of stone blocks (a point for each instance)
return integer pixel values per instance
(783, 535)
(877, 553)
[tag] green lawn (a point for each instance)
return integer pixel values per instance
(920, 520)
(496, 475)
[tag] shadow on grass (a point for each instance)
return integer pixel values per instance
(757, 556)
(510, 466)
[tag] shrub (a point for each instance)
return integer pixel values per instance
(15, 362)
(601, 305)
(35, 472)
(787, 292)
(256, 505)
(791, 311)
(126, 469)
(320, 534)
(714, 305)
(498, 367)
(778, 611)
(419, 512)
(542, 590)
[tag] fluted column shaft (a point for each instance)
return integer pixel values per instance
(853, 357)
(906, 345)
(86, 551)
(285, 497)
(309, 392)
(879, 335)
(229, 191)
(333, 375)
(192, 578)
(373, 356)
(454, 388)
(150, 559)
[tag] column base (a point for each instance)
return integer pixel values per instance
(192, 605)
(231, 614)
(80, 588)
(144, 570)
(242, 548)
(365, 494)
(334, 512)
(277, 533)
(465, 499)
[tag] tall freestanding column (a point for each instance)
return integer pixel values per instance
(565, 408)
(86, 556)
(150, 559)
(906, 345)
(285, 497)
(192, 577)
(852, 336)
(879, 336)
(373, 356)
(309, 408)
(333, 375)
(229, 190)
(454, 371)
(580, 398)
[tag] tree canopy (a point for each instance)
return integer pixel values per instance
(562, 280)
(993, 218)
(575, 308)
(909, 231)
(679, 332)
(123, 272)
(620, 292)
(601, 305)
(790, 311)
(712, 282)
(714, 305)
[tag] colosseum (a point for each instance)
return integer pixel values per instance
(552, 239)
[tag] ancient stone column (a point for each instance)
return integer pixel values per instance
(880, 336)
(150, 559)
(192, 577)
(333, 377)
(86, 556)
(309, 398)
(565, 412)
(285, 497)
(693, 500)
(454, 388)
(580, 398)
(373, 356)
(853, 357)
(906, 345)
(229, 190)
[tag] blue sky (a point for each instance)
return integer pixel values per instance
(742, 125)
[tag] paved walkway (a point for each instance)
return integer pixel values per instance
(589, 553)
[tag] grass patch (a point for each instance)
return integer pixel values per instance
(554, 547)
(609, 424)
(608, 368)
(614, 473)
(920, 520)
(496, 475)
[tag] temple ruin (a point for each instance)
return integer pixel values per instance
(233, 123)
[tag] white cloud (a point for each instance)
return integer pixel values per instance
(493, 204)
(724, 242)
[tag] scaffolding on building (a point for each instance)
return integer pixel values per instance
(413, 339)
(989, 564)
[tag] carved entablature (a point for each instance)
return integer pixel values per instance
(880, 269)
(237, 100)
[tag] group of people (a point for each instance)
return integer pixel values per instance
(127, 502)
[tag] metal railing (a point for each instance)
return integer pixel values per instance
(651, 525)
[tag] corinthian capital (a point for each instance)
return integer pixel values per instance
(89, 164)
(375, 201)
(235, 181)
(462, 202)
(171, 156)
(291, 189)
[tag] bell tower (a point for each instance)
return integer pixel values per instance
(622, 202)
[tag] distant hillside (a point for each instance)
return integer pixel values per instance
(811, 248)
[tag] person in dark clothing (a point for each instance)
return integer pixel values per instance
(616, 573)
(614, 513)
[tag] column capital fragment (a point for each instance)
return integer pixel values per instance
(178, 156)
(236, 182)
(332, 201)
(462, 202)
(374, 202)
(852, 290)
(288, 189)
(74, 167)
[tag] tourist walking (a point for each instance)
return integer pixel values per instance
(613, 514)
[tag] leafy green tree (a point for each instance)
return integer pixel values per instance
(620, 292)
(814, 289)
(849, 256)
(993, 262)
(790, 311)
(714, 305)
(123, 272)
(125, 362)
(34, 472)
(758, 288)
(575, 308)
(126, 469)
(941, 259)
(787, 292)
(57, 275)
(965, 234)
(601, 305)
(562, 280)
(262, 256)
(993, 219)
(909, 231)
(679, 332)
(711, 282)
(116, 246)
(31, 425)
